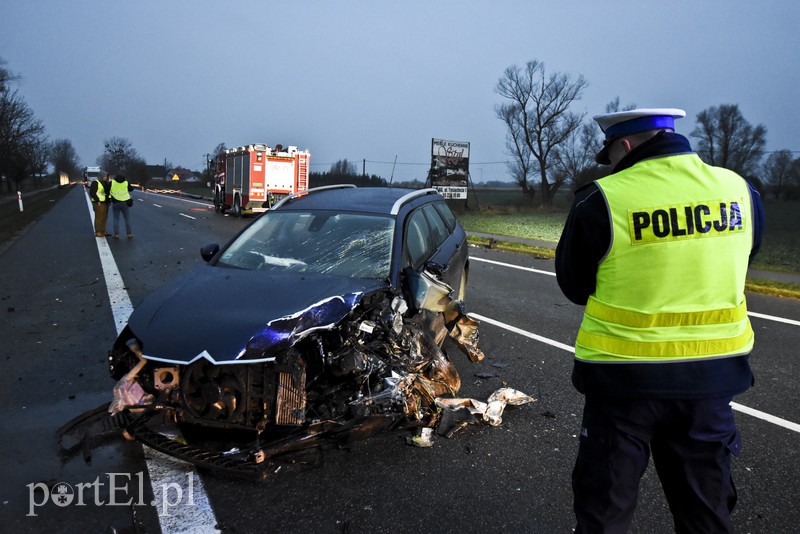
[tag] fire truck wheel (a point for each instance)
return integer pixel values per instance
(217, 202)
(237, 206)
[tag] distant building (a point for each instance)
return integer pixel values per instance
(182, 175)
(157, 172)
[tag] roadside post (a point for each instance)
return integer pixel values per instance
(19, 198)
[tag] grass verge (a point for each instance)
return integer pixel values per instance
(510, 246)
(775, 289)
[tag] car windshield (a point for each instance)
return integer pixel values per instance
(321, 242)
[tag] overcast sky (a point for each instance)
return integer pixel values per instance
(377, 80)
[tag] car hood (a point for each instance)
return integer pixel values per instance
(237, 316)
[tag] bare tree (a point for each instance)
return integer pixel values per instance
(23, 143)
(794, 179)
(39, 150)
(575, 157)
(614, 106)
(119, 156)
(521, 166)
(778, 172)
(538, 111)
(343, 167)
(726, 139)
(63, 157)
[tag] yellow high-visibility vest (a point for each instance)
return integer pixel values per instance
(119, 191)
(671, 287)
(101, 191)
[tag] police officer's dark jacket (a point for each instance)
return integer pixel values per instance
(587, 242)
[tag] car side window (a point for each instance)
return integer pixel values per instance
(439, 231)
(447, 215)
(418, 242)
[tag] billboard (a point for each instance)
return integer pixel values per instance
(450, 167)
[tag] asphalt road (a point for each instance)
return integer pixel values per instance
(58, 325)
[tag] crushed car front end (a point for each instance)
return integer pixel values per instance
(311, 325)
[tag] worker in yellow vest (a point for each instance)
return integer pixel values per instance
(98, 194)
(121, 202)
(658, 251)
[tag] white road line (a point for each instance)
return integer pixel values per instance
(206, 203)
(157, 205)
(187, 216)
(168, 477)
(538, 271)
(512, 266)
(522, 332)
(773, 318)
(736, 406)
(766, 417)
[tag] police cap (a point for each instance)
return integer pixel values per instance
(622, 123)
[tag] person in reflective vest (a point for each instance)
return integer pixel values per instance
(658, 252)
(98, 194)
(121, 203)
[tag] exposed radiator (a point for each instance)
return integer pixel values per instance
(290, 408)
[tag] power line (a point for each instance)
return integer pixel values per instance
(476, 163)
(427, 163)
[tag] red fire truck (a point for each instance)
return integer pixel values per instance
(250, 179)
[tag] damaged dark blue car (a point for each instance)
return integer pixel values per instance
(325, 317)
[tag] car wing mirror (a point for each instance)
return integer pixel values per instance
(437, 269)
(209, 251)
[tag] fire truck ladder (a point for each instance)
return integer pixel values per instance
(302, 173)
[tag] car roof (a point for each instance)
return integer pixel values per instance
(379, 200)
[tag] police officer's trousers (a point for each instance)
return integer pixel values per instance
(691, 442)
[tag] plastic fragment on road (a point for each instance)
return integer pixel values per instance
(128, 392)
(490, 412)
(498, 401)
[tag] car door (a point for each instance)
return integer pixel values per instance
(434, 244)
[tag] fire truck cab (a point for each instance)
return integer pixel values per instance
(250, 179)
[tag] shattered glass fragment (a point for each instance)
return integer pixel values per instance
(422, 438)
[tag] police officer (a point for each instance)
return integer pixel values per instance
(658, 252)
(98, 194)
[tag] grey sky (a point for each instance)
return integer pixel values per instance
(376, 80)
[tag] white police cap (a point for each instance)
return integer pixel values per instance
(622, 123)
